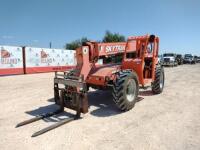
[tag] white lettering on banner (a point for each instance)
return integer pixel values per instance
(115, 48)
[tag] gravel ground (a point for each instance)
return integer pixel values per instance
(170, 120)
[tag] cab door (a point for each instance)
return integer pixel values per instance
(133, 59)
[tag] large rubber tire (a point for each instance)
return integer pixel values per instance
(125, 90)
(158, 84)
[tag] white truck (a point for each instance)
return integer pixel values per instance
(169, 59)
(189, 59)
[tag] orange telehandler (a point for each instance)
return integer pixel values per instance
(125, 67)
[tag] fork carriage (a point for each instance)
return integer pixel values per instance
(74, 93)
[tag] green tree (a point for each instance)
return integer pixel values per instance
(113, 37)
(75, 44)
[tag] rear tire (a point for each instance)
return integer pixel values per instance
(125, 90)
(158, 84)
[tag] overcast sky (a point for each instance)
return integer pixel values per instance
(37, 22)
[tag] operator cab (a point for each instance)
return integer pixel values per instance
(142, 59)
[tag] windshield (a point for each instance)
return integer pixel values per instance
(188, 56)
(112, 59)
(179, 56)
(168, 55)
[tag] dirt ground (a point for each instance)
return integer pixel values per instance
(170, 120)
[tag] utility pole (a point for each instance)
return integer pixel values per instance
(50, 45)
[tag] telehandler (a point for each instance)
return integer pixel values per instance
(137, 67)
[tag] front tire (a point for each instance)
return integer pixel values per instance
(158, 84)
(125, 90)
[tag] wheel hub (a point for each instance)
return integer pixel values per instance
(130, 91)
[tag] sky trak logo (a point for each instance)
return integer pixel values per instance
(5, 57)
(114, 48)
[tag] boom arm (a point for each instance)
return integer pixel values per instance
(88, 55)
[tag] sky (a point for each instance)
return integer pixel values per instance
(39, 22)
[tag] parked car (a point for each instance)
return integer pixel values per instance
(195, 58)
(198, 59)
(160, 59)
(189, 59)
(179, 59)
(169, 59)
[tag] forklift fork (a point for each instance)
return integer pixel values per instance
(79, 99)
